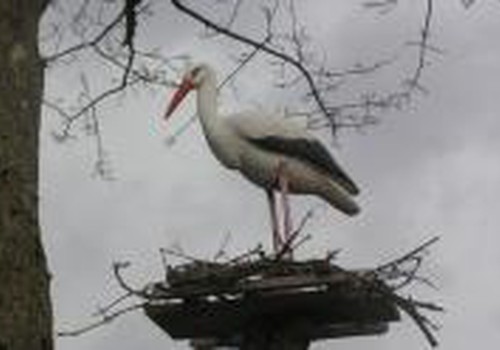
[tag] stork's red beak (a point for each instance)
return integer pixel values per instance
(186, 86)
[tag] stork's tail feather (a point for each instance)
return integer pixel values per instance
(339, 198)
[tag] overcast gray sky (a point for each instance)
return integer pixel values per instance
(430, 169)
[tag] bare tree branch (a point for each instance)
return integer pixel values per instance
(423, 46)
(117, 268)
(87, 44)
(289, 49)
(88, 104)
(105, 319)
(424, 324)
(411, 254)
(256, 44)
(131, 22)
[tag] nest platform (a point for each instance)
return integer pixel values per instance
(232, 302)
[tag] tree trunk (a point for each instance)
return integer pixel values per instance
(25, 309)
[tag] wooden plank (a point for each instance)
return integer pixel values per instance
(201, 318)
(218, 286)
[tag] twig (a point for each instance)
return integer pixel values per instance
(104, 310)
(70, 119)
(145, 77)
(222, 248)
(408, 305)
(288, 245)
(300, 242)
(331, 255)
(423, 323)
(234, 13)
(117, 267)
(183, 255)
(255, 251)
(408, 255)
(87, 44)
(105, 319)
(423, 46)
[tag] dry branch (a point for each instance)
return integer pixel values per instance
(107, 49)
(103, 320)
(289, 50)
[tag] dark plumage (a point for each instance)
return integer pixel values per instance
(310, 151)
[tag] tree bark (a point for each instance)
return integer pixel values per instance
(25, 308)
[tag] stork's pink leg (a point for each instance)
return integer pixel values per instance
(277, 242)
(287, 224)
(283, 186)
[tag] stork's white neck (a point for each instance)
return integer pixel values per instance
(207, 102)
(220, 139)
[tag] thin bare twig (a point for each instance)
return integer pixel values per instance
(93, 103)
(107, 318)
(234, 13)
(290, 244)
(253, 252)
(109, 307)
(423, 46)
(424, 324)
(408, 255)
(394, 270)
(222, 248)
(182, 255)
(117, 268)
(87, 44)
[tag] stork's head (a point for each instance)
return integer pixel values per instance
(192, 80)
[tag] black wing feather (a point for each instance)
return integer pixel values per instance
(309, 151)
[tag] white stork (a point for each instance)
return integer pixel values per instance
(271, 152)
